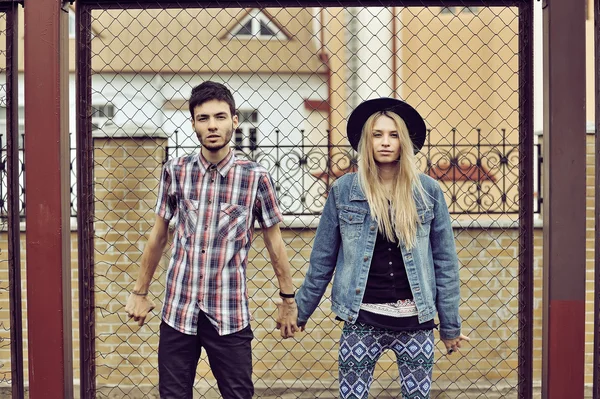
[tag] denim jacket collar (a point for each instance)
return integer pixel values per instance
(356, 193)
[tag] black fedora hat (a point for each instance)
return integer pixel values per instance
(414, 121)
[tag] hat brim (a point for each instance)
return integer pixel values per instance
(412, 118)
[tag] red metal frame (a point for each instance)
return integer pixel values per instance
(564, 200)
(526, 209)
(48, 221)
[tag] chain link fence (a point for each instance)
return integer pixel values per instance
(296, 74)
(11, 205)
(5, 374)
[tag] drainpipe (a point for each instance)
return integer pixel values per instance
(394, 52)
(324, 57)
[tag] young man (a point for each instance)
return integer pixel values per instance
(214, 198)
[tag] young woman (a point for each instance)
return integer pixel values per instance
(386, 233)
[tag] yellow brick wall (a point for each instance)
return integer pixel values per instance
(589, 308)
(126, 354)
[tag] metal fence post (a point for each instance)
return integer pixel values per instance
(564, 200)
(48, 222)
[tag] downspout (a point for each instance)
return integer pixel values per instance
(324, 57)
(394, 53)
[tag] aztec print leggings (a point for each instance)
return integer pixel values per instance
(361, 345)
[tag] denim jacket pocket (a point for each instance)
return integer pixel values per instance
(425, 218)
(232, 222)
(188, 211)
(351, 223)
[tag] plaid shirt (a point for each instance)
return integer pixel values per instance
(214, 207)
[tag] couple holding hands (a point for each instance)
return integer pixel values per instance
(385, 231)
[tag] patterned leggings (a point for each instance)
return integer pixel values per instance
(361, 345)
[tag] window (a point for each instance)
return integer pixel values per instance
(102, 114)
(3, 126)
(245, 30)
(257, 25)
(457, 10)
(246, 135)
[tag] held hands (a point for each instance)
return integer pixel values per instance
(287, 317)
(453, 345)
(138, 306)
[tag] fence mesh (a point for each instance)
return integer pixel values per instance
(296, 74)
(5, 341)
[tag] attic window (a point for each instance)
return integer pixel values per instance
(257, 25)
(245, 30)
(265, 30)
(457, 10)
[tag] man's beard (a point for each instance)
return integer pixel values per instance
(215, 147)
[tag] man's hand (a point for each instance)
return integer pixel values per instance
(138, 307)
(287, 318)
(453, 345)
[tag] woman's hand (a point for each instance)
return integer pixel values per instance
(453, 345)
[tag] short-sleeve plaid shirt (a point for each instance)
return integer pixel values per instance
(214, 208)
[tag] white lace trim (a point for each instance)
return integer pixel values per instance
(402, 308)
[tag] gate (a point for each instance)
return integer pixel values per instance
(297, 71)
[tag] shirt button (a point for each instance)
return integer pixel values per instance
(201, 277)
(390, 263)
(203, 251)
(210, 201)
(366, 258)
(389, 249)
(206, 227)
(391, 274)
(212, 180)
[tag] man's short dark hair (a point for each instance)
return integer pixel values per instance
(207, 91)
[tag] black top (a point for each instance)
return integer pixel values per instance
(388, 283)
(387, 280)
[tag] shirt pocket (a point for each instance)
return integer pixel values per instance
(233, 221)
(188, 211)
(425, 218)
(351, 223)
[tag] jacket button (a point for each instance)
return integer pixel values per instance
(350, 318)
(358, 290)
(372, 228)
(350, 217)
(366, 258)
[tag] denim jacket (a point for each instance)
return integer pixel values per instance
(344, 243)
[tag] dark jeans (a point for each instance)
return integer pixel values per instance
(229, 356)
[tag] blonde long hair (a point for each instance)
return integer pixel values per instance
(397, 219)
